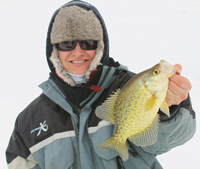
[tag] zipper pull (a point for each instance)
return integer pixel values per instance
(79, 112)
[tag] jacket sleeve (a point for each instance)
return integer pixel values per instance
(18, 154)
(176, 130)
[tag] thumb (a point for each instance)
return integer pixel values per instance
(178, 68)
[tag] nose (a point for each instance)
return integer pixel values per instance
(78, 50)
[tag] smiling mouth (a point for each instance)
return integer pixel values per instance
(80, 61)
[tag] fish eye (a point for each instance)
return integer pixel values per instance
(156, 72)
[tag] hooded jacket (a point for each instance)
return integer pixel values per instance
(55, 132)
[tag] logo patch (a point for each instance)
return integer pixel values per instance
(43, 127)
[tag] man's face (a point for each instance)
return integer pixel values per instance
(76, 61)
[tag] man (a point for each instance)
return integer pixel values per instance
(59, 129)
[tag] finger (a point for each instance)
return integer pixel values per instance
(168, 101)
(178, 68)
(174, 99)
(181, 82)
(177, 91)
(175, 94)
(176, 87)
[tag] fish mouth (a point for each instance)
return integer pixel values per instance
(172, 72)
(167, 68)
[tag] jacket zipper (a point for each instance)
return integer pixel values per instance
(75, 108)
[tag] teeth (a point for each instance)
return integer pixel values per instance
(78, 61)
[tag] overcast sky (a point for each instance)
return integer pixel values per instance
(141, 34)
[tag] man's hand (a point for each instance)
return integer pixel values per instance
(178, 88)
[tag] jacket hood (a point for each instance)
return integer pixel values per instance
(57, 33)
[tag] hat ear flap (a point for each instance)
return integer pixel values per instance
(59, 69)
(96, 60)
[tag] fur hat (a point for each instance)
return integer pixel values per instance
(75, 23)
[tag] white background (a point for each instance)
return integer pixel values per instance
(141, 34)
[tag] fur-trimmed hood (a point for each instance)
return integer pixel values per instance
(57, 32)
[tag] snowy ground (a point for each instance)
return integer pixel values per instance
(141, 34)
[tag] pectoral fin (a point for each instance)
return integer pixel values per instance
(164, 108)
(150, 103)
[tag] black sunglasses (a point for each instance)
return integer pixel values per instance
(70, 45)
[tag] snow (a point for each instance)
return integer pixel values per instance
(141, 34)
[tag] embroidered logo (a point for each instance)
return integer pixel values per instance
(43, 126)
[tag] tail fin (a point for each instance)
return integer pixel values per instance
(119, 147)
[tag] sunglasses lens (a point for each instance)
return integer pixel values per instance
(70, 45)
(66, 45)
(88, 44)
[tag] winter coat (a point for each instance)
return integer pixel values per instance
(50, 133)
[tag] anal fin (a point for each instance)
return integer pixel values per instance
(119, 147)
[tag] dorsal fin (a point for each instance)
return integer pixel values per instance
(106, 110)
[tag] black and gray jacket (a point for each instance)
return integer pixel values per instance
(57, 131)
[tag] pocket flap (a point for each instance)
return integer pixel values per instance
(59, 154)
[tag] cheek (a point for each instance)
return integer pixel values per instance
(91, 53)
(63, 55)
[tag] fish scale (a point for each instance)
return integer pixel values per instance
(134, 109)
(128, 114)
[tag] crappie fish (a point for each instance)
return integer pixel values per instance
(133, 109)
